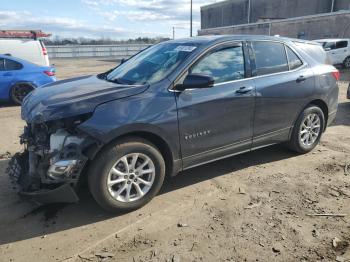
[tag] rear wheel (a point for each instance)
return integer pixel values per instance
(19, 91)
(308, 130)
(126, 176)
(346, 62)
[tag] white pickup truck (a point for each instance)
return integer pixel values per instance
(338, 50)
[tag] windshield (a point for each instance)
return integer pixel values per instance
(152, 64)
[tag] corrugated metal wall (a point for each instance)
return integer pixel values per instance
(234, 12)
(116, 51)
(336, 25)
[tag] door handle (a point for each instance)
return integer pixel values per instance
(301, 79)
(244, 90)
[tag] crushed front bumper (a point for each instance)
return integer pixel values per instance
(29, 187)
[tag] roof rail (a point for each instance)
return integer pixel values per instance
(31, 34)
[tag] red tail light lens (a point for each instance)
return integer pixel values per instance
(44, 51)
(49, 73)
(336, 75)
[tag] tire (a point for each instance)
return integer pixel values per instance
(303, 138)
(114, 198)
(19, 91)
(346, 63)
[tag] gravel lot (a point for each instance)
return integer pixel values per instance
(252, 207)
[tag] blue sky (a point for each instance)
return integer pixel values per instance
(117, 19)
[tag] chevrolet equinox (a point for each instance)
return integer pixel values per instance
(171, 107)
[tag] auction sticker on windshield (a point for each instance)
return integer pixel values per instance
(185, 48)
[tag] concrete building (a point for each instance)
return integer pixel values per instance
(307, 19)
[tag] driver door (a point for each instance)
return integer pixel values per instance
(217, 122)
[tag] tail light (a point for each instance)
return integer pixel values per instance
(50, 73)
(336, 75)
(44, 51)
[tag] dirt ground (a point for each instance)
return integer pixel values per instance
(253, 207)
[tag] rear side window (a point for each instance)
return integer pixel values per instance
(2, 64)
(223, 65)
(341, 44)
(293, 60)
(270, 58)
(315, 51)
(12, 65)
(329, 45)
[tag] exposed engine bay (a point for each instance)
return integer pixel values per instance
(54, 156)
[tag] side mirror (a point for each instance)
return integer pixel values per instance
(327, 49)
(194, 81)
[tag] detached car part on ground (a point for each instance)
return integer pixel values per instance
(174, 106)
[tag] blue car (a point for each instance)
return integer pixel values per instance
(19, 77)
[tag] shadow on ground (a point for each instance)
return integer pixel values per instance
(87, 211)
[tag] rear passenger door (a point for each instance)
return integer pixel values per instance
(6, 78)
(283, 84)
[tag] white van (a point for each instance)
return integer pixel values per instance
(32, 50)
(338, 50)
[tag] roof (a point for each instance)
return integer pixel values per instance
(208, 39)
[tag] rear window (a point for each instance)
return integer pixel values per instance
(315, 51)
(341, 44)
(270, 57)
(12, 65)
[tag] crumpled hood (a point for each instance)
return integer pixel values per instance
(73, 97)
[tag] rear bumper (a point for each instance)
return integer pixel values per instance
(28, 186)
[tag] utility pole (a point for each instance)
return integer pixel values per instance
(332, 8)
(191, 20)
(173, 32)
(249, 11)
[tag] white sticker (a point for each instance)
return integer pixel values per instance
(185, 48)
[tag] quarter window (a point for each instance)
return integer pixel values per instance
(293, 60)
(12, 65)
(270, 58)
(223, 65)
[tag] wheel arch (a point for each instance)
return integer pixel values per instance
(324, 107)
(172, 164)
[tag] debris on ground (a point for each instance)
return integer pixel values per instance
(339, 244)
(182, 225)
(104, 254)
(6, 155)
(326, 215)
(241, 191)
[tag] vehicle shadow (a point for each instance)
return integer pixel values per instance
(343, 115)
(88, 212)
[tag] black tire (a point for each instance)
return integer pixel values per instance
(346, 63)
(100, 168)
(295, 142)
(19, 91)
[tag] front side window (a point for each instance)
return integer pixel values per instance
(341, 44)
(293, 60)
(226, 64)
(328, 45)
(152, 64)
(12, 65)
(270, 57)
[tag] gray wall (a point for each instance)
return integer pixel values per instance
(315, 27)
(79, 51)
(234, 12)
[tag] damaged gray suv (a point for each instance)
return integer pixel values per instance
(171, 107)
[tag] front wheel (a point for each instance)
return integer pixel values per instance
(127, 175)
(308, 130)
(19, 91)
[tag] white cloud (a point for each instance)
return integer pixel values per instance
(63, 26)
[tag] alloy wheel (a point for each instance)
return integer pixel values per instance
(310, 129)
(131, 177)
